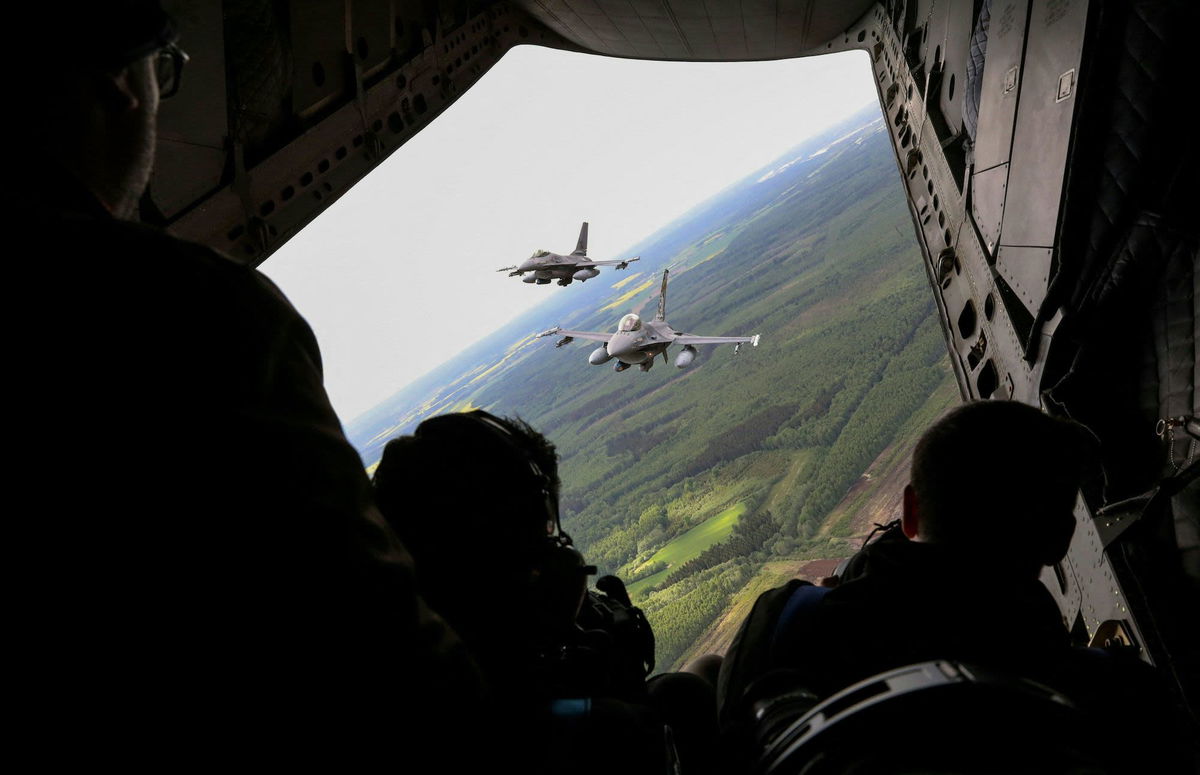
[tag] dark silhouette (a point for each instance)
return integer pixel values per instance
(475, 497)
(200, 566)
(986, 509)
(989, 505)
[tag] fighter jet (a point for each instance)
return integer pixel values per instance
(638, 342)
(545, 266)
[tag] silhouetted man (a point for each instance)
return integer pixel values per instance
(990, 503)
(475, 497)
(989, 506)
(199, 564)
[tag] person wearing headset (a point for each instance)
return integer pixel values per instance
(474, 497)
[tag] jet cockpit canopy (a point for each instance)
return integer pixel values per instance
(539, 253)
(630, 322)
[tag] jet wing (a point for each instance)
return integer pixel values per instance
(622, 262)
(595, 336)
(689, 339)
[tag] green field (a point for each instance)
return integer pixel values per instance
(691, 544)
(713, 530)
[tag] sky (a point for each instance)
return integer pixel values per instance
(398, 275)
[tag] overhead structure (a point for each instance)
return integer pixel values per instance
(1044, 146)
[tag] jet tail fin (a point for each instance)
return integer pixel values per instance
(662, 298)
(581, 245)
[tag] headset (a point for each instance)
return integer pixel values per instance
(541, 480)
(577, 640)
(558, 578)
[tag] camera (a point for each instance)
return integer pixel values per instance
(608, 652)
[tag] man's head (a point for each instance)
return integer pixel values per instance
(95, 101)
(998, 479)
(474, 497)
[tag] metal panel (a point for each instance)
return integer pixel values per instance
(987, 203)
(615, 8)
(699, 33)
(192, 151)
(371, 31)
(924, 10)
(649, 9)
(1101, 596)
(318, 38)
(1001, 83)
(1043, 131)
(956, 48)
(1027, 271)
(716, 9)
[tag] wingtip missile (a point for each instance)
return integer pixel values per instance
(549, 332)
(507, 269)
(737, 348)
(625, 264)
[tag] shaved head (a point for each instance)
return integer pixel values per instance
(1001, 477)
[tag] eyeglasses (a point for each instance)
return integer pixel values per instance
(168, 69)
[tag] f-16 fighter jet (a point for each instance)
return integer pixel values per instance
(544, 266)
(638, 342)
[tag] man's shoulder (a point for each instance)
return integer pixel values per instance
(146, 267)
(149, 246)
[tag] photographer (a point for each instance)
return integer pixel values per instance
(475, 499)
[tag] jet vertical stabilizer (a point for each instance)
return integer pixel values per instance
(662, 298)
(581, 245)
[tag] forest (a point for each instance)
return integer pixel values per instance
(689, 483)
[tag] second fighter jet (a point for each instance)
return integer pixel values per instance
(639, 342)
(544, 266)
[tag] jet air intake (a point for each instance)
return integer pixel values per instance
(599, 355)
(586, 274)
(685, 357)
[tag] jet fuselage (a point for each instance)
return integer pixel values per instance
(647, 342)
(551, 266)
